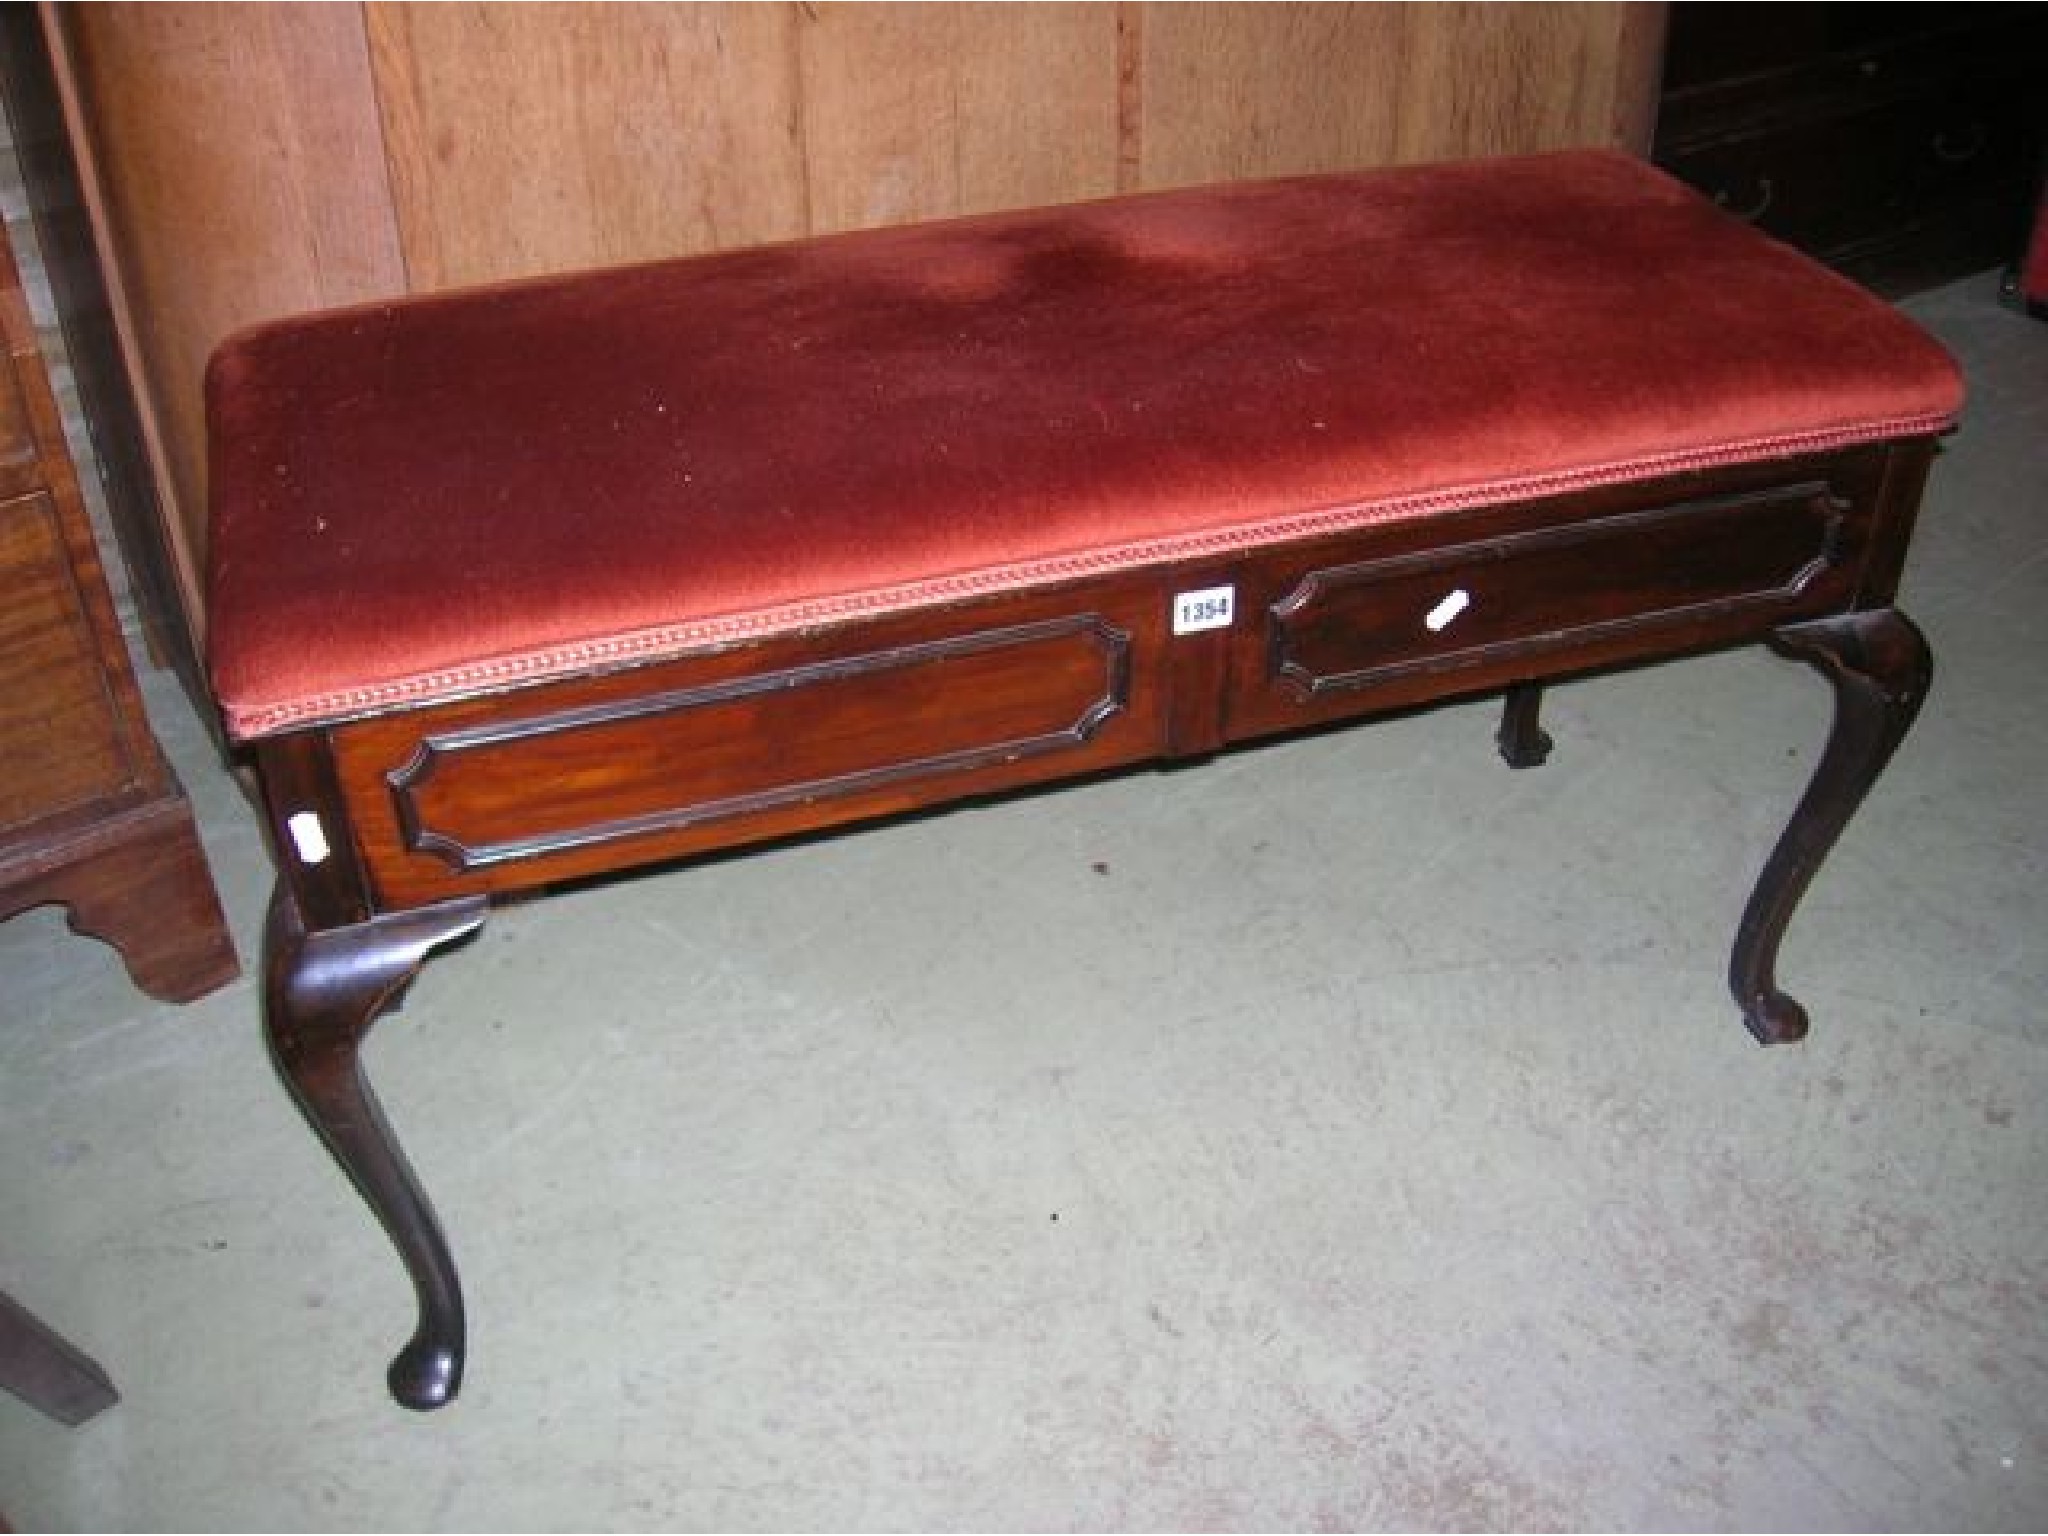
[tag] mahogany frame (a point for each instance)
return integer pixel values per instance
(395, 831)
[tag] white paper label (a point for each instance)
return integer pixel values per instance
(1210, 608)
(1439, 618)
(309, 836)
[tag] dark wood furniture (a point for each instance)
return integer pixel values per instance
(91, 816)
(49, 1372)
(65, 224)
(1900, 144)
(567, 578)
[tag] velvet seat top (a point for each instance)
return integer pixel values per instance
(445, 493)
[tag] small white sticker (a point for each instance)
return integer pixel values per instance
(1439, 618)
(309, 836)
(1210, 608)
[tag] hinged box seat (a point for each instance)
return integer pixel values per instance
(577, 575)
(419, 499)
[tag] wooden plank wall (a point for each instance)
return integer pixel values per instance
(251, 161)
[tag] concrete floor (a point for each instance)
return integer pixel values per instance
(1346, 1133)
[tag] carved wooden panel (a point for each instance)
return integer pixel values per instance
(1376, 621)
(1357, 625)
(743, 744)
(507, 790)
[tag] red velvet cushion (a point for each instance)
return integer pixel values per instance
(2034, 263)
(428, 496)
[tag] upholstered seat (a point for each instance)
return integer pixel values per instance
(810, 535)
(441, 494)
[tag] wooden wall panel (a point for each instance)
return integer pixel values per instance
(236, 160)
(1638, 79)
(536, 138)
(915, 112)
(1487, 78)
(256, 160)
(1242, 90)
(1238, 90)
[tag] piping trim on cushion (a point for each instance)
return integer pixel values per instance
(663, 642)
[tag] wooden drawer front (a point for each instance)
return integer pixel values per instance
(60, 739)
(1387, 630)
(773, 739)
(20, 470)
(17, 431)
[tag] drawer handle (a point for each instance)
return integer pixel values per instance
(1956, 148)
(1439, 618)
(1765, 192)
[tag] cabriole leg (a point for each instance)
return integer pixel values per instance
(47, 1371)
(322, 992)
(1880, 667)
(1522, 740)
